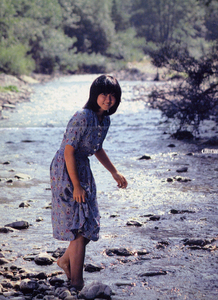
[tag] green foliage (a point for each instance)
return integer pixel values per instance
(9, 88)
(13, 60)
(56, 34)
(126, 46)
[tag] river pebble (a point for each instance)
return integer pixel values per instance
(18, 225)
(44, 259)
(96, 290)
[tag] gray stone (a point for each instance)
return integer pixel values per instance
(62, 292)
(3, 261)
(72, 297)
(182, 179)
(96, 290)
(118, 251)
(6, 229)
(134, 223)
(56, 281)
(181, 170)
(28, 285)
(92, 268)
(154, 273)
(145, 157)
(44, 259)
(50, 297)
(22, 176)
(24, 204)
(18, 225)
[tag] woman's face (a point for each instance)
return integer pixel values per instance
(105, 102)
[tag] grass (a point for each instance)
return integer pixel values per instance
(9, 88)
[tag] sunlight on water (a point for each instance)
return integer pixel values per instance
(29, 140)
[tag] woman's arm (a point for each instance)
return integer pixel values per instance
(105, 161)
(78, 192)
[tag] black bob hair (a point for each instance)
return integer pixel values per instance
(104, 84)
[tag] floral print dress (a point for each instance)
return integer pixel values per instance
(86, 134)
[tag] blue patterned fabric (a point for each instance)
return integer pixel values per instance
(86, 134)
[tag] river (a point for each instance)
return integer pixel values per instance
(29, 139)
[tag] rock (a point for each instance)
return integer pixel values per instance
(213, 141)
(29, 257)
(154, 218)
(28, 286)
(18, 225)
(39, 219)
(119, 252)
(92, 268)
(56, 281)
(182, 135)
(43, 286)
(62, 292)
(197, 242)
(176, 211)
(153, 273)
(21, 176)
(114, 216)
(44, 259)
(181, 170)
(6, 163)
(71, 297)
(171, 145)
(59, 252)
(181, 179)
(145, 157)
(124, 283)
(50, 297)
(162, 244)
(3, 261)
(28, 141)
(28, 79)
(9, 181)
(41, 275)
(24, 204)
(142, 252)
(6, 105)
(95, 290)
(169, 179)
(6, 229)
(133, 223)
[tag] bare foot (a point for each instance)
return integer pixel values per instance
(78, 287)
(65, 266)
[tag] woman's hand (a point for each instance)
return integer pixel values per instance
(79, 194)
(120, 179)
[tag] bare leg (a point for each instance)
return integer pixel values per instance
(73, 260)
(77, 255)
(64, 263)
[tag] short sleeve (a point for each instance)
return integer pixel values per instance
(76, 129)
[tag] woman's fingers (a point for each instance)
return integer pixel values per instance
(121, 180)
(79, 195)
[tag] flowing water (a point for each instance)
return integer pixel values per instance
(29, 139)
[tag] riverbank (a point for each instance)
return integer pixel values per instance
(17, 89)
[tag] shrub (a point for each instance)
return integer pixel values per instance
(13, 60)
(193, 99)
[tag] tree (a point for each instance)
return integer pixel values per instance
(166, 22)
(195, 98)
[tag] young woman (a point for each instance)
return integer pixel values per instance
(75, 214)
